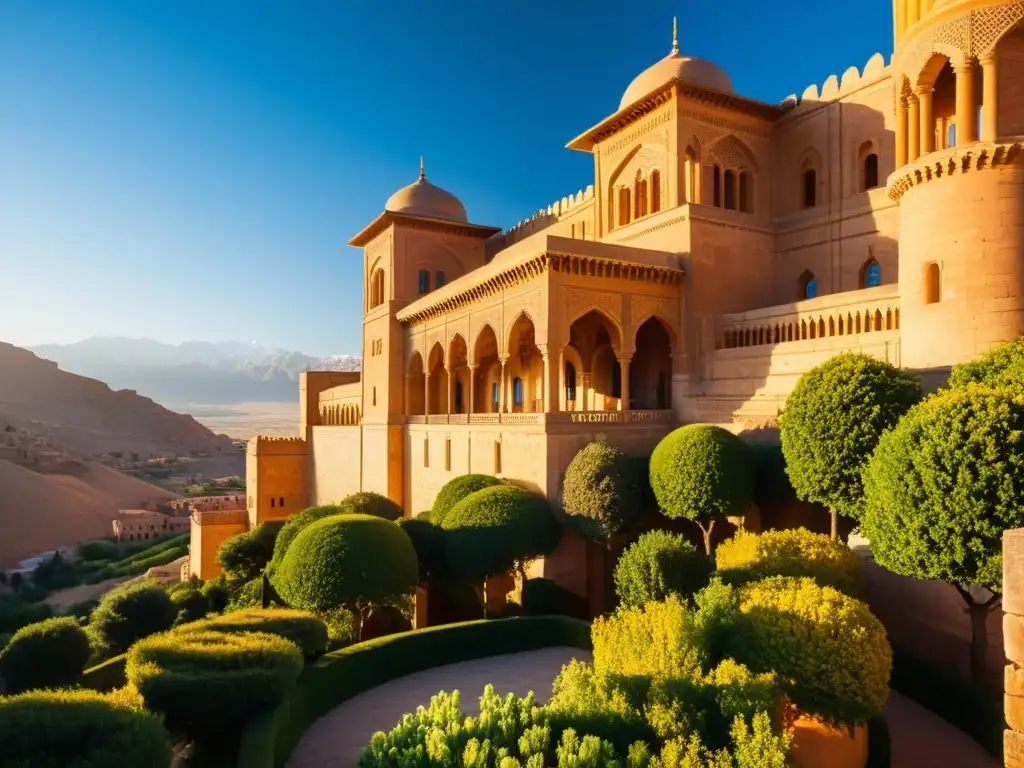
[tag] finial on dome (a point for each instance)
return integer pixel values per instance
(675, 36)
(423, 174)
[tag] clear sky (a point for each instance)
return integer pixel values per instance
(192, 169)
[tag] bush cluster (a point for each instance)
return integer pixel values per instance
(307, 631)
(1001, 367)
(657, 565)
(80, 729)
(129, 613)
(207, 683)
(454, 491)
(798, 552)
(245, 555)
(189, 601)
(49, 654)
(373, 504)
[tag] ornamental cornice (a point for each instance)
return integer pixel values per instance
(950, 162)
(423, 223)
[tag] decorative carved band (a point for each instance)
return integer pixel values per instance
(950, 162)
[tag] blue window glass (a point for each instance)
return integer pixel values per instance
(811, 289)
(424, 281)
(872, 275)
(439, 279)
(495, 394)
(517, 391)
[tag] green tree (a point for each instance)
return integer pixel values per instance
(940, 490)
(600, 492)
(349, 561)
(49, 654)
(294, 525)
(1000, 367)
(657, 565)
(455, 490)
(700, 472)
(832, 422)
(129, 613)
(244, 556)
(370, 503)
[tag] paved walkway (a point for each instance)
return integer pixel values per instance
(336, 740)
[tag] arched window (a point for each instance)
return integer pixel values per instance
(872, 275)
(950, 135)
(808, 285)
(517, 391)
(716, 187)
(272, 502)
(377, 288)
(624, 210)
(730, 191)
(655, 191)
(570, 382)
(640, 195)
(424, 281)
(495, 394)
(439, 279)
(809, 195)
(458, 397)
(932, 283)
(871, 171)
(746, 204)
(692, 168)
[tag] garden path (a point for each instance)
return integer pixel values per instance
(919, 738)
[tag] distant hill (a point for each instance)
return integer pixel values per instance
(194, 372)
(88, 417)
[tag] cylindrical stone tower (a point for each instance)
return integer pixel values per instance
(958, 74)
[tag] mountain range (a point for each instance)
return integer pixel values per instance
(195, 372)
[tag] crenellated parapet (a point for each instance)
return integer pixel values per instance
(547, 216)
(266, 445)
(835, 88)
(952, 162)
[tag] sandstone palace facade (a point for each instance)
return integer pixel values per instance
(724, 247)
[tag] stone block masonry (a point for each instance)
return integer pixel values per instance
(1013, 640)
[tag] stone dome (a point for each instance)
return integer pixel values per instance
(686, 68)
(421, 198)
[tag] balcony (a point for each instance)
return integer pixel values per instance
(666, 416)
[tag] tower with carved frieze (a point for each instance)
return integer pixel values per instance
(958, 81)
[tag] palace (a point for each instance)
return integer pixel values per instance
(725, 246)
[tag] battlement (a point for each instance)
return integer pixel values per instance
(220, 517)
(547, 216)
(833, 88)
(264, 445)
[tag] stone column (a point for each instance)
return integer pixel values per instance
(550, 382)
(1013, 644)
(913, 129)
(966, 112)
(926, 120)
(624, 386)
(472, 387)
(451, 388)
(989, 97)
(901, 132)
(408, 394)
(426, 394)
(502, 397)
(583, 390)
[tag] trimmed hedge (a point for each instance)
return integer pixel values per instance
(455, 490)
(80, 729)
(307, 631)
(269, 737)
(49, 654)
(373, 504)
(129, 613)
(208, 683)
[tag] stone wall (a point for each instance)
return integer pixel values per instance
(1013, 641)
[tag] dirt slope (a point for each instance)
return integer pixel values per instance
(88, 417)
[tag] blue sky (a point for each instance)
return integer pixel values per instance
(192, 169)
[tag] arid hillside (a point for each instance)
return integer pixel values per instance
(43, 511)
(88, 418)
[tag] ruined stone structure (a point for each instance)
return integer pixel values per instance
(725, 246)
(142, 524)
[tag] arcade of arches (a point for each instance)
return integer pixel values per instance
(590, 373)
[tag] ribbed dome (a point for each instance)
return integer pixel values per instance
(675, 65)
(421, 198)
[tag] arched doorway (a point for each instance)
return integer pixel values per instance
(458, 365)
(650, 371)
(594, 340)
(437, 383)
(488, 371)
(526, 364)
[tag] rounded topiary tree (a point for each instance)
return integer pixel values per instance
(657, 565)
(294, 525)
(940, 490)
(245, 555)
(753, 556)
(455, 490)
(48, 654)
(81, 728)
(833, 420)
(350, 561)
(495, 530)
(600, 492)
(373, 504)
(129, 613)
(700, 472)
(1000, 367)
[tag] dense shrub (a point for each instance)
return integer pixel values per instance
(700, 472)
(351, 561)
(798, 552)
(16, 612)
(307, 631)
(651, 640)
(829, 650)
(832, 422)
(245, 555)
(425, 536)
(129, 613)
(49, 654)
(98, 550)
(248, 595)
(80, 729)
(190, 604)
(1000, 367)
(217, 593)
(294, 525)
(657, 565)
(940, 490)
(544, 597)
(339, 628)
(206, 683)
(373, 504)
(600, 492)
(455, 490)
(491, 531)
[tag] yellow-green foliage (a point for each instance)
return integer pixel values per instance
(644, 641)
(830, 652)
(80, 729)
(306, 630)
(756, 745)
(209, 682)
(752, 556)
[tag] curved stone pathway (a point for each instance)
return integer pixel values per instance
(919, 738)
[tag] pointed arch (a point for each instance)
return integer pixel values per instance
(457, 351)
(604, 315)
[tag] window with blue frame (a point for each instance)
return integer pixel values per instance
(811, 289)
(439, 279)
(872, 274)
(517, 391)
(424, 281)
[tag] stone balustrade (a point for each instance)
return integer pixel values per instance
(558, 417)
